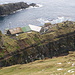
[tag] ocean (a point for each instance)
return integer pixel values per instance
(54, 11)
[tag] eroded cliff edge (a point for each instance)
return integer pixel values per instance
(7, 9)
(28, 47)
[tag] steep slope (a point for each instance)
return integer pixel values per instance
(64, 65)
(28, 47)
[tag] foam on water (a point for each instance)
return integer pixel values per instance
(17, 11)
(58, 20)
(37, 6)
(53, 11)
(42, 21)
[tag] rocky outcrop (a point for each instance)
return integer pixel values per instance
(39, 51)
(34, 5)
(6, 9)
(28, 47)
(1, 42)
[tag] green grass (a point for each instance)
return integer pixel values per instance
(2, 53)
(55, 66)
(28, 39)
(40, 67)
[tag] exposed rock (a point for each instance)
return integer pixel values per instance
(6, 9)
(28, 47)
(47, 24)
(33, 4)
(1, 43)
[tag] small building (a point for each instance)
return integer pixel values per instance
(35, 28)
(14, 31)
(26, 29)
(31, 28)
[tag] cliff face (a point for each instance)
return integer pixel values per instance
(1, 43)
(6, 9)
(28, 47)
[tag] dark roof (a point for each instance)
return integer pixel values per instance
(15, 30)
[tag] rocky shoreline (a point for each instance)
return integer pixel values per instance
(7, 9)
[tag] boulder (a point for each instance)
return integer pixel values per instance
(32, 4)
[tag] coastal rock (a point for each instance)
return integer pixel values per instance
(34, 5)
(6, 9)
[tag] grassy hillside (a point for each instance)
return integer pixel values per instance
(27, 47)
(63, 65)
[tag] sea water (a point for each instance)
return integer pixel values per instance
(53, 11)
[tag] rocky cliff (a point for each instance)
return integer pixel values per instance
(28, 47)
(6, 9)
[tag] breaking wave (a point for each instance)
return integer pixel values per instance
(58, 20)
(37, 6)
(42, 21)
(17, 10)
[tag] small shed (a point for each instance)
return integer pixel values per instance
(35, 28)
(26, 29)
(29, 28)
(14, 31)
